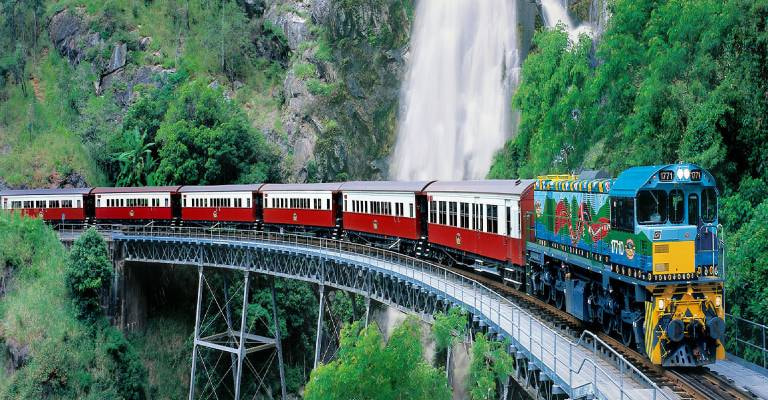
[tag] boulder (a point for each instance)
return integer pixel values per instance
(69, 36)
(144, 43)
(117, 61)
(19, 354)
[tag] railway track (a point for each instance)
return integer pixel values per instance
(688, 384)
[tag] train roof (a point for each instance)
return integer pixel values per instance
(46, 192)
(515, 187)
(629, 182)
(143, 189)
(298, 187)
(222, 188)
(385, 186)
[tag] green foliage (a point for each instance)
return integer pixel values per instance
(320, 88)
(367, 368)
(304, 70)
(67, 358)
(137, 163)
(449, 328)
(205, 139)
(491, 364)
(89, 273)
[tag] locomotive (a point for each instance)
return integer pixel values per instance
(639, 255)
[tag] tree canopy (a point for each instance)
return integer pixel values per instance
(368, 368)
(89, 272)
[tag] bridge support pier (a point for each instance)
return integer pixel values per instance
(319, 339)
(216, 332)
(367, 310)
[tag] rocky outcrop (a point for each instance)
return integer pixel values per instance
(290, 17)
(18, 354)
(70, 36)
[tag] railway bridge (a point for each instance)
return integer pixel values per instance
(548, 363)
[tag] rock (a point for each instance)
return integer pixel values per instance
(3, 185)
(321, 11)
(288, 17)
(214, 85)
(118, 58)
(19, 354)
(238, 85)
(145, 42)
(69, 37)
(71, 179)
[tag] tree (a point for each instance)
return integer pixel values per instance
(367, 368)
(89, 272)
(206, 139)
(448, 330)
(137, 164)
(491, 364)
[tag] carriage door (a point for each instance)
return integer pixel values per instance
(509, 242)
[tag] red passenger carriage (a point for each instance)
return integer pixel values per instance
(315, 205)
(385, 209)
(150, 203)
(481, 223)
(64, 205)
(221, 203)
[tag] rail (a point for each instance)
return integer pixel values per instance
(483, 301)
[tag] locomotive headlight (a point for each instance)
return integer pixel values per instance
(718, 301)
(661, 304)
(687, 173)
(680, 173)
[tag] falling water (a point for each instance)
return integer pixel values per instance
(555, 11)
(464, 64)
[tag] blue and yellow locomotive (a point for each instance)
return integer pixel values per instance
(640, 255)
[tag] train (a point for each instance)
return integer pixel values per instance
(639, 255)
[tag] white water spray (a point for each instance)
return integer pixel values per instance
(555, 11)
(464, 65)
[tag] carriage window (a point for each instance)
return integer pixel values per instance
(327, 204)
(15, 204)
(441, 213)
(433, 212)
(479, 217)
(464, 215)
(365, 203)
(708, 205)
(676, 206)
(29, 204)
(79, 204)
(410, 209)
(623, 214)
(693, 209)
(40, 204)
(492, 222)
(66, 203)
(248, 202)
(452, 214)
(54, 204)
(651, 207)
(509, 221)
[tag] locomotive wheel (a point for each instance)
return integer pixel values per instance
(627, 338)
(560, 300)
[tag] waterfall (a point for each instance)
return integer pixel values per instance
(463, 66)
(556, 11)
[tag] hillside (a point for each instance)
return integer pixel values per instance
(669, 80)
(86, 89)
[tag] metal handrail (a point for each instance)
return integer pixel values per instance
(763, 329)
(448, 282)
